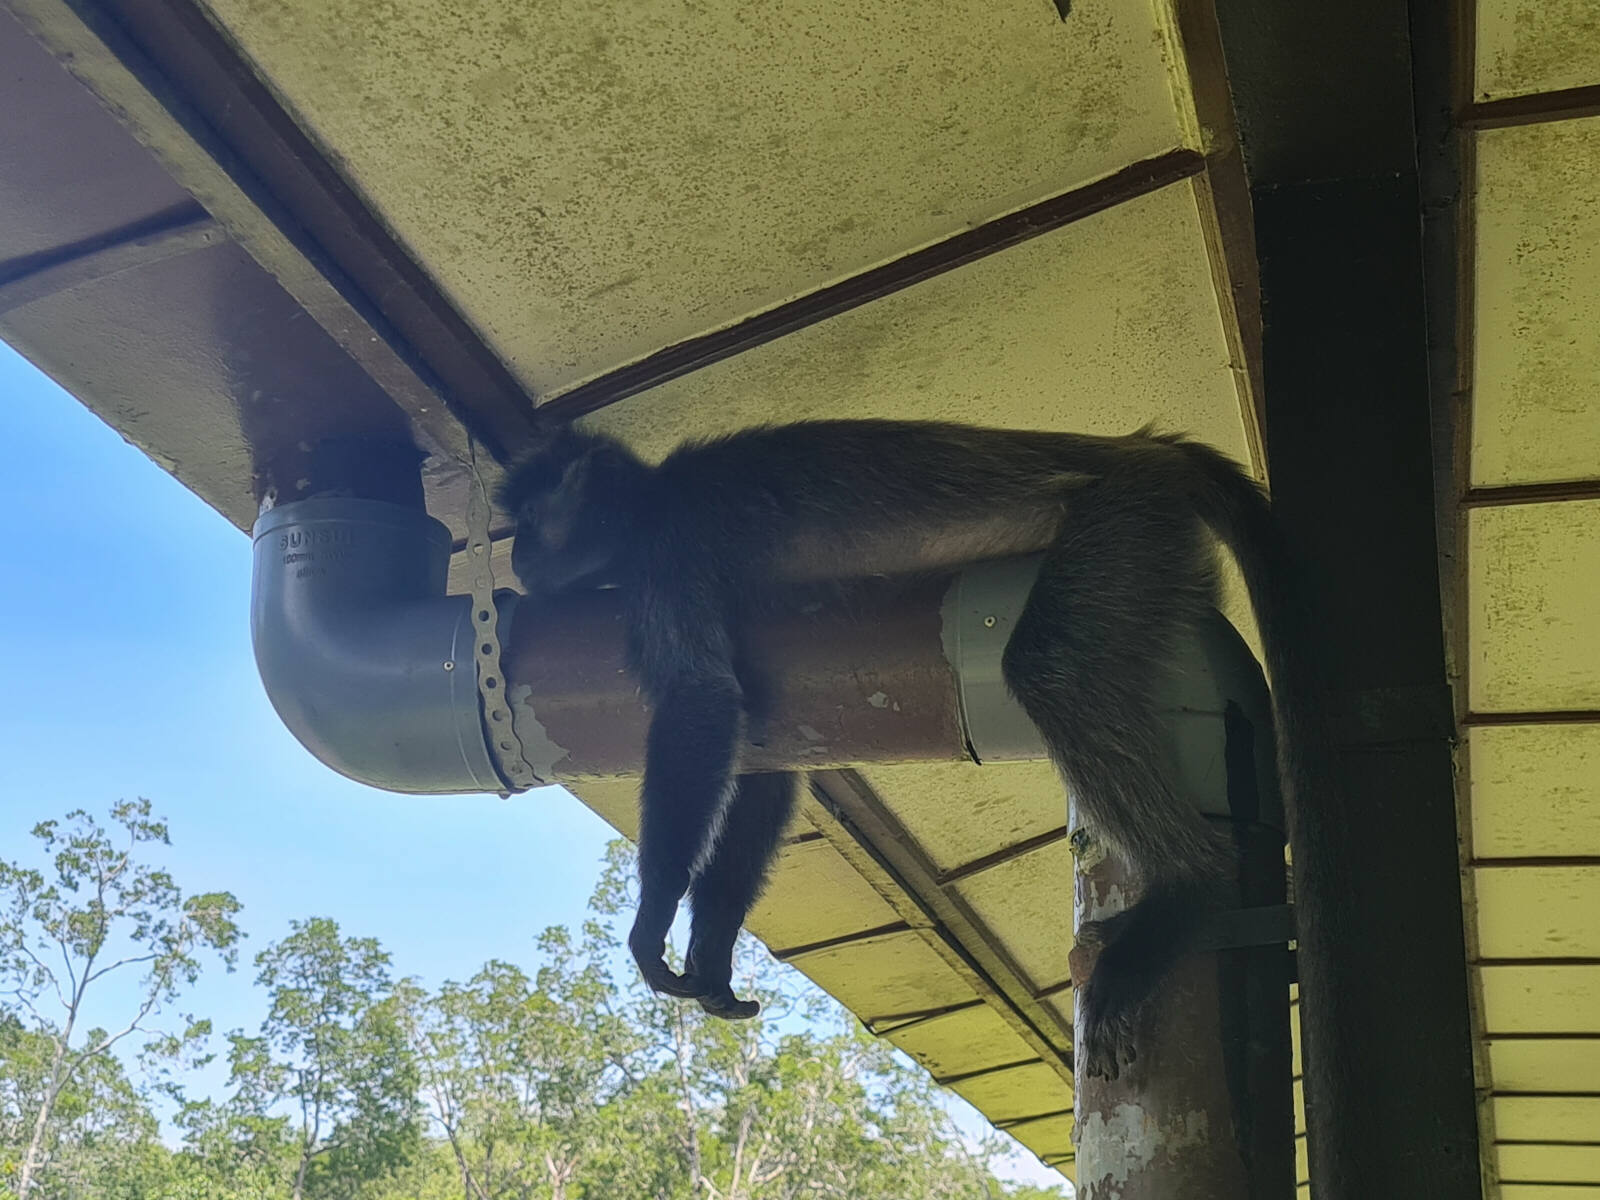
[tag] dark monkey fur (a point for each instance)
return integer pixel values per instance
(701, 541)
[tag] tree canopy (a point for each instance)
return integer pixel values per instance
(558, 1078)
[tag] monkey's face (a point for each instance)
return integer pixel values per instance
(572, 509)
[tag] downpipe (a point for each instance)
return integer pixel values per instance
(369, 663)
(365, 658)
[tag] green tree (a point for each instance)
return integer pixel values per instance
(95, 912)
(799, 1102)
(100, 1128)
(518, 1073)
(232, 1152)
(330, 1068)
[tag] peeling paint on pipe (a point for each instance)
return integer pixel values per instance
(864, 680)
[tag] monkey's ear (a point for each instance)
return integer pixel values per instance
(560, 510)
(538, 437)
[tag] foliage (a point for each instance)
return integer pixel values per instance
(98, 910)
(559, 1079)
(99, 1125)
(332, 1054)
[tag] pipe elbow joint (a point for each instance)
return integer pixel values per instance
(363, 655)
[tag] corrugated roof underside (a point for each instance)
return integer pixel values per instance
(1530, 767)
(606, 181)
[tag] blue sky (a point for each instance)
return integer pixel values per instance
(124, 634)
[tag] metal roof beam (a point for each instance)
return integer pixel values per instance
(1326, 103)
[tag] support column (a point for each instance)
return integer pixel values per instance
(1324, 97)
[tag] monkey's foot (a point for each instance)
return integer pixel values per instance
(1107, 1042)
(668, 982)
(650, 953)
(1113, 995)
(725, 1004)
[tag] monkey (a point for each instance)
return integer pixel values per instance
(1127, 527)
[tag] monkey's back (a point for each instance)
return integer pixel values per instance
(838, 499)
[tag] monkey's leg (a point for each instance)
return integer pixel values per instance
(690, 757)
(756, 692)
(728, 885)
(1129, 573)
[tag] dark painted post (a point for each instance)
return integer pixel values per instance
(1323, 94)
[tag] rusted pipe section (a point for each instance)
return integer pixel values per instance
(863, 679)
(1206, 1109)
(371, 664)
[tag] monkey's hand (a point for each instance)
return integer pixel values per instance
(650, 953)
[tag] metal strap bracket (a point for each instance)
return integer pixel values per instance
(504, 744)
(1269, 925)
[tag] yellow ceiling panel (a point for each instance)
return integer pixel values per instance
(1022, 1091)
(1294, 1039)
(1551, 1164)
(615, 799)
(1545, 1064)
(1547, 1118)
(1048, 1137)
(1528, 46)
(593, 182)
(878, 977)
(1098, 327)
(1534, 607)
(1061, 1004)
(970, 1039)
(814, 895)
(1027, 905)
(1541, 999)
(1536, 373)
(961, 812)
(1535, 790)
(1541, 911)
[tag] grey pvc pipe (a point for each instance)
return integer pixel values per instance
(1214, 682)
(369, 663)
(362, 654)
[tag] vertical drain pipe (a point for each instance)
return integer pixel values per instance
(1206, 1112)
(1206, 1109)
(363, 655)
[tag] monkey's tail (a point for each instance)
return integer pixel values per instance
(1237, 509)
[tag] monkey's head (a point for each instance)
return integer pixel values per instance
(575, 498)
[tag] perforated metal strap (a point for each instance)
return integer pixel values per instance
(1269, 925)
(504, 744)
